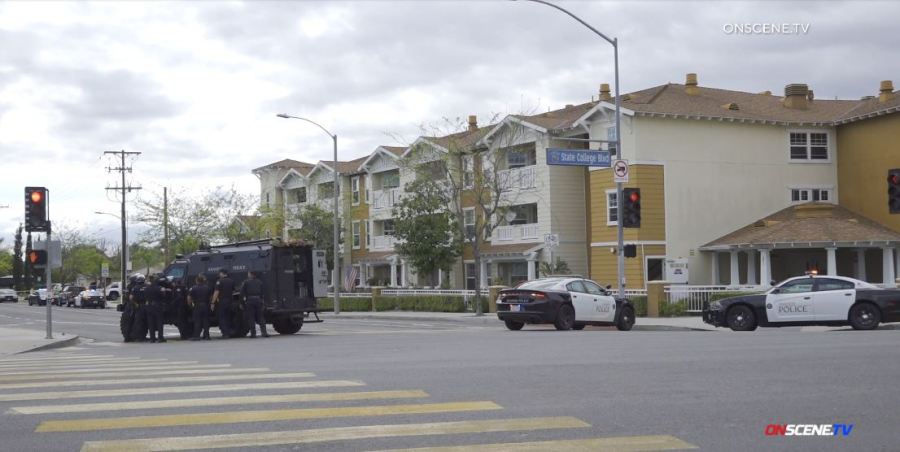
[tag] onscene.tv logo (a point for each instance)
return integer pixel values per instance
(809, 430)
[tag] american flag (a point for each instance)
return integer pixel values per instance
(350, 275)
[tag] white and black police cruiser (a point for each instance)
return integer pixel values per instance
(566, 302)
(808, 300)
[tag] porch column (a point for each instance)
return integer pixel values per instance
(363, 274)
(735, 275)
(393, 272)
(832, 261)
(715, 268)
(887, 265)
(404, 271)
(765, 267)
(440, 281)
(532, 262)
(751, 267)
(483, 273)
(861, 264)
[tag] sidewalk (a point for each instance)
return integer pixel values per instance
(694, 323)
(16, 340)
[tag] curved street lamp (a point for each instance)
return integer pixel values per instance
(334, 270)
(615, 43)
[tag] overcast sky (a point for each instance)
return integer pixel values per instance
(195, 86)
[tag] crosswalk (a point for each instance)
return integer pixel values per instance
(167, 405)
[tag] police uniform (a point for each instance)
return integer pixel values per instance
(225, 287)
(182, 312)
(156, 297)
(200, 297)
(139, 319)
(253, 291)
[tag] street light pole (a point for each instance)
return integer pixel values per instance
(620, 254)
(334, 270)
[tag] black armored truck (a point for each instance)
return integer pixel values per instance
(294, 276)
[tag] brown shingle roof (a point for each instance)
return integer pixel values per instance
(288, 163)
(808, 223)
(461, 141)
(563, 118)
(870, 106)
(351, 167)
(396, 150)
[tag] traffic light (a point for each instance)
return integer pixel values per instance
(631, 215)
(893, 180)
(36, 209)
(37, 258)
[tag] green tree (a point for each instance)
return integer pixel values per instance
(317, 228)
(560, 267)
(426, 228)
(144, 257)
(18, 266)
(6, 262)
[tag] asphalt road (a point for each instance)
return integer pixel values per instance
(380, 385)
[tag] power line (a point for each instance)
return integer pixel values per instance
(124, 189)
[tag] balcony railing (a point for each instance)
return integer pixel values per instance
(385, 199)
(382, 243)
(517, 178)
(516, 232)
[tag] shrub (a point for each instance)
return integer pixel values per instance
(429, 303)
(675, 309)
(347, 304)
(640, 305)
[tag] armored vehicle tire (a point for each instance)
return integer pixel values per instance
(125, 325)
(239, 324)
(287, 325)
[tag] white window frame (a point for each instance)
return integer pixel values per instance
(305, 195)
(356, 232)
(465, 221)
(355, 196)
(832, 195)
(609, 192)
(829, 145)
(468, 162)
(647, 259)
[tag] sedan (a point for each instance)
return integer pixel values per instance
(566, 302)
(8, 295)
(90, 297)
(808, 300)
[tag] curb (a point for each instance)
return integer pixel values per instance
(58, 344)
(487, 318)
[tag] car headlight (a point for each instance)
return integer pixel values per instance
(715, 306)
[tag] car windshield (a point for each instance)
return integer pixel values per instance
(540, 284)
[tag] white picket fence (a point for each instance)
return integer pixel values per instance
(695, 296)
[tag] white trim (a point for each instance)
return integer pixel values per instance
(631, 242)
(809, 188)
(631, 163)
(376, 152)
(358, 233)
(321, 164)
(505, 122)
(608, 192)
(288, 174)
(584, 119)
(422, 140)
(474, 218)
(830, 146)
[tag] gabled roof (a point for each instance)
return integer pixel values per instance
(804, 224)
(294, 172)
(460, 141)
(393, 152)
(287, 164)
(351, 167)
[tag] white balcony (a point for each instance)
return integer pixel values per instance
(382, 243)
(515, 233)
(385, 199)
(517, 179)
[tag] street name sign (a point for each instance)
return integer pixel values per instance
(578, 157)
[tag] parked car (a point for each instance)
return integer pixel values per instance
(37, 297)
(113, 291)
(90, 298)
(566, 302)
(808, 300)
(8, 295)
(69, 293)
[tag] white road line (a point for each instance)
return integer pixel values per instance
(136, 368)
(130, 381)
(129, 373)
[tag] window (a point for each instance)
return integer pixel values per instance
(388, 227)
(326, 190)
(801, 195)
(300, 195)
(809, 146)
(470, 276)
(655, 269)
(524, 214)
(354, 189)
(576, 286)
(468, 168)
(825, 284)
(368, 188)
(390, 180)
(611, 138)
(469, 222)
(357, 281)
(356, 237)
(612, 207)
(797, 286)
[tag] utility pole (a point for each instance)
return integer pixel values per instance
(124, 189)
(166, 225)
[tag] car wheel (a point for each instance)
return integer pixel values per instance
(578, 326)
(864, 316)
(626, 319)
(287, 325)
(513, 325)
(741, 318)
(565, 318)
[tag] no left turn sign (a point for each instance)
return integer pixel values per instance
(620, 171)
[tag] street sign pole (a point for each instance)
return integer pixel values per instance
(49, 283)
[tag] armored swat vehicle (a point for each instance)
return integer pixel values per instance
(294, 276)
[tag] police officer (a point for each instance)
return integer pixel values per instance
(182, 311)
(198, 297)
(155, 294)
(139, 319)
(222, 298)
(253, 292)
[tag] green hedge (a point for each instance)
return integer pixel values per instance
(425, 303)
(640, 305)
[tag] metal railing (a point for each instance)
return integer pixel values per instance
(383, 242)
(517, 178)
(382, 199)
(695, 296)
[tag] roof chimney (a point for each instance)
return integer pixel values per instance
(795, 96)
(809, 96)
(473, 122)
(887, 91)
(690, 84)
(604, 92)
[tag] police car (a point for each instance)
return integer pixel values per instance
(808, 300)
(566, 302)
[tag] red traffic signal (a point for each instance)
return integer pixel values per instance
(37, 258)
(36, 219)
(631, 208)
(635, 196)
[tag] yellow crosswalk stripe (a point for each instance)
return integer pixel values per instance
(219, 401)
(52, 395)
(67, 373)
(180, 379)
(103, 362)
(81, 425)
(611, 444)
(311, 436)
(127, 373)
